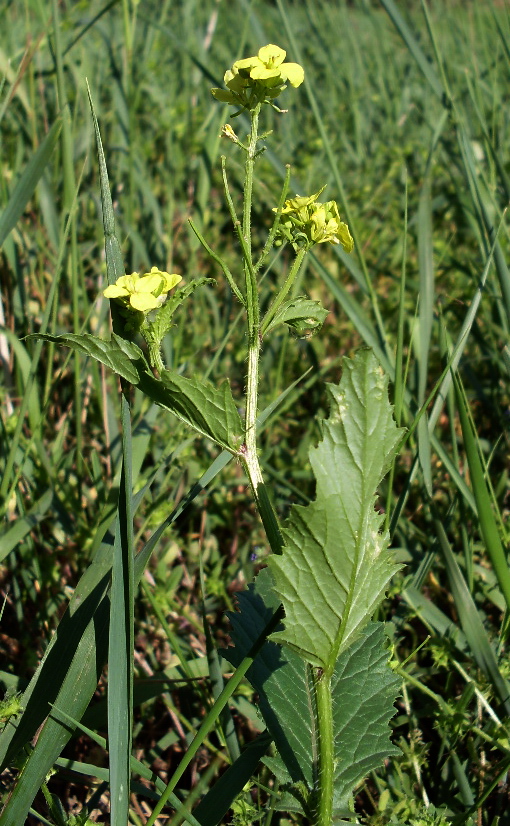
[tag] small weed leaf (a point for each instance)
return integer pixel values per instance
(335, 566)
(209, 410)
(117, 353)
(302, 315)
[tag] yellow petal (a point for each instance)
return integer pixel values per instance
(245, 64)
(168, 280)
(272, 55)
(345, 237)
(292, 72)
(171, 279)
(300, 201)
(149, 283)
(143, 302)
(113, 291)
(262, 73)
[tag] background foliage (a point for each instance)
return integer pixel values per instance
(405, 116)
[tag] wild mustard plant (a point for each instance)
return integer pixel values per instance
(308, 614)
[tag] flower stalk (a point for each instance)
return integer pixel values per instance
(286, 287)
(249, 453)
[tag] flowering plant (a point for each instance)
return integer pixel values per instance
(259, 78)
(329, 567)
(143, 293)
(306, 221)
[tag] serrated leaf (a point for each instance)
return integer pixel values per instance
(364, 689)
(335, 565)
(278, 675)
(209, 410)
(301, 314)
(363, 686)
(117, 353)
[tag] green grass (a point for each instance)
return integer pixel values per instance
(404, 113)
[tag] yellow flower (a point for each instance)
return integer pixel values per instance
(299, 206)
(306, 221)
(142, 293)
(265, 74)
(327, 226)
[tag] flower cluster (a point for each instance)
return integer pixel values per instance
(305, 222)
(142, 293)
(259, 78)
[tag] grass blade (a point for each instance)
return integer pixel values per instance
(413, 46)
(26, 185)
(121, 645)
(488, 525)
(470, 621)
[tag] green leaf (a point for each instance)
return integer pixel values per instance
(118, 353)
(302, 315)
(335, 565)
(363, 686)
(364, 689)
(278, 675)
(207, 409)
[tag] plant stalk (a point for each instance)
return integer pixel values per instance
(325, 773)
(249, 453)
(289, 281)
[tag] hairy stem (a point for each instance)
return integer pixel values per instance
(325, 774)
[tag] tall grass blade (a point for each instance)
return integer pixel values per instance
(414, 47)
(214, 806)
(470, 621)
(121, 643)
(28, 181)
(426, 317)
(488, 524)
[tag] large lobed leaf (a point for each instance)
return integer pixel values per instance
(335, 565)
(363, 688)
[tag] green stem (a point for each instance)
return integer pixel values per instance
(325, 774)
(253, 310)
(249, 453)
(228, 275)
(289, 281)
(268, 246)
(153, 343)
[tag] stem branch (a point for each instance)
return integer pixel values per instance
(296, 266)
